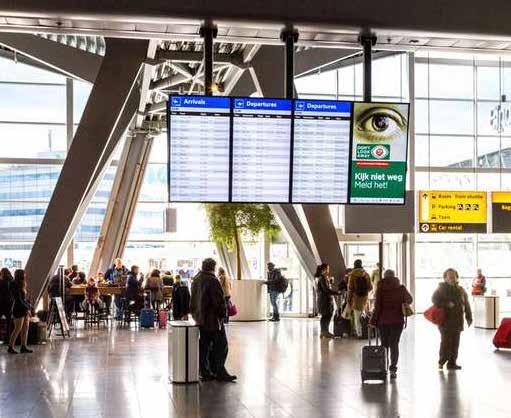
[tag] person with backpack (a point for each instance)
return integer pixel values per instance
(359, 286)
(388, 315)
(325, 299)
(274, 283)
(451, 297)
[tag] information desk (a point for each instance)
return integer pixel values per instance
(103, 290)
(486, 312)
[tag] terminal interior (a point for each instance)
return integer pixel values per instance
(52, 80)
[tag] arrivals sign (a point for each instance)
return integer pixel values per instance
(379, 151)
(452, 212)
(501, 212)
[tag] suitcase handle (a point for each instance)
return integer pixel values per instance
(375, 334)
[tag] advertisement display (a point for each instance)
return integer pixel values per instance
(379, 153)
(501, 212)
(452, 212)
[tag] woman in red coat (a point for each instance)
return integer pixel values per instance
(388, 315)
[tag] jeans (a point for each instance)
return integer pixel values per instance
(390, 336)
(358, 324)
(449, 346)
(326, 317)
(213, 350)
(274, 295)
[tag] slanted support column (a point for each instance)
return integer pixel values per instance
(103, 113)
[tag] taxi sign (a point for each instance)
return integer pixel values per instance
(452, 212)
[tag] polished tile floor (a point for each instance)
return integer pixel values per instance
(284, 370)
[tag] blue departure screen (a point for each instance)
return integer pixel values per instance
(321, 151)
(261, 150)
(199, 148)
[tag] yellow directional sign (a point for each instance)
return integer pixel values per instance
(501, 212)
(452, 211)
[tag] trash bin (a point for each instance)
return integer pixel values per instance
(184, 355)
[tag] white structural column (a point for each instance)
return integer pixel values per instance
(87, 157)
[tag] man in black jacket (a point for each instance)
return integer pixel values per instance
(208, 310)
(274, 280)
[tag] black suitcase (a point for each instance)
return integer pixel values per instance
(342, 326)
(374, 361)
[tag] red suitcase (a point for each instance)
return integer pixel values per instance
(502, 338)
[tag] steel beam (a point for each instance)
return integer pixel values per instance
(71, 61)
(447, 17)
(192, 56)
(95, 135)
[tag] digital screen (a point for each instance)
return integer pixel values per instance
(199, 148)
(501, 212)
(321, 151)
(261, 150)
(379, 153)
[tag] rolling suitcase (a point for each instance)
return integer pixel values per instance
(502, 337)
(162, 318)
(147, 318)
(374, 361)
(342, 326)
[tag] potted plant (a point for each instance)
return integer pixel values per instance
(229, 223)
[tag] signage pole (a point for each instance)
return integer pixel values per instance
(289, 36)
(368, 40)
(208, 31)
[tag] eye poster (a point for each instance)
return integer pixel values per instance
(379, 153)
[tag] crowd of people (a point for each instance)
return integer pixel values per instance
(383, 303)
(368, 300)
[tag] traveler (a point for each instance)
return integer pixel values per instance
(6, 283)
(359, 286)
(74, 271)
(388, 315)
(325, 299)
(154, 284)
(20, 313)
(479, 284)
(226, 283)
(92, 296)
(114, 276)
(55, 284)
(80, 279)
(133, 294)
(274, 278)
(180, 299)
(375, 278)
(208, 310)
(340, 285)
(454, 300)
(167, 278)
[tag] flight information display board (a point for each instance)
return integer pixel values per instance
(199, 148)
(321, 151)
(261, 150)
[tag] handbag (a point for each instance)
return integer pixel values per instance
(407, 310)
(346, 312)
(436, 315)
(232, 310)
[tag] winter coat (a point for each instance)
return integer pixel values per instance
(274, 278)
(207, 303)
(132, 287)
(155, 285)
(357, 302)
(446, 293)
(113, 275)
(325, 296)
(180, 300)
(390, 296)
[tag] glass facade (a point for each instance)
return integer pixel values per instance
(456, 147)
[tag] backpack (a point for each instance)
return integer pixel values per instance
(361, 288)
(282, 285)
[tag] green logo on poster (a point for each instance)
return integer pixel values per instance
(373, 152)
